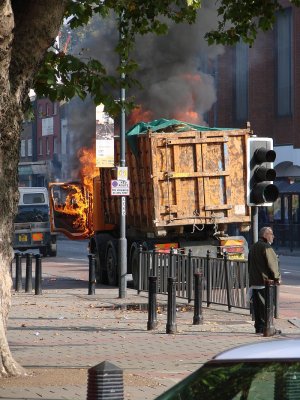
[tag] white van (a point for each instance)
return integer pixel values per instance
(32, 225)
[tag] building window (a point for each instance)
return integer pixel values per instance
(54, 108)
(47, 146)
(23, 149)
(284, 62)
(29, 147)
(40, 146)
(241, 81)
(47, 110)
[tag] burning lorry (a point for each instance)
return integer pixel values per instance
(188, 187)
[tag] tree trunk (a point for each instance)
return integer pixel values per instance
(23, 43)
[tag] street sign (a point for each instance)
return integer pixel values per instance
(120, 187)
(122, 173)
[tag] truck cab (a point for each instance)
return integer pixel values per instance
(32, 223)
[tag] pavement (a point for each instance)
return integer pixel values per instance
(63, 332)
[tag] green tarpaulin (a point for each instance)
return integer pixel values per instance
(163, 125)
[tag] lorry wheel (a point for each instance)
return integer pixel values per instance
(52, 250)
(101, 274)
(111, 264)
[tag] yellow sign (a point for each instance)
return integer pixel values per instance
(122, 173)
(23, 238)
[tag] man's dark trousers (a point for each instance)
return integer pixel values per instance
(258, 298)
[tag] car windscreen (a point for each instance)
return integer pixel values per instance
(32, 213)
(33, 198)
(240, 381)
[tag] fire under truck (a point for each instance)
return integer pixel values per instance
(188, 187)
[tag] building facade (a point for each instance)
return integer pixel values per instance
(261, 85)
(42, 144)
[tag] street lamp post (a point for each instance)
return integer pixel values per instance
(122, 253)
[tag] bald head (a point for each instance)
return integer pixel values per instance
(266, 233)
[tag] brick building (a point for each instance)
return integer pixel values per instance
(261, 85)
(44, 149)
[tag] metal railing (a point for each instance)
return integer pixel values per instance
(225, 281)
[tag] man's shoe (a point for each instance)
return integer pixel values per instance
(277, 332)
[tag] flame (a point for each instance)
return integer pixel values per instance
(138, 114)
(186, 113)
(88, 171)
(192, 78)
(75, 205)
(187, 116)
(78, 202)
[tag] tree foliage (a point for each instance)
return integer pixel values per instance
(242, 20)
(62, 76)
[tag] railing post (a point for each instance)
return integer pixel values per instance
(227, 280)
(208, 279)
(18, 279)
(28, 279)
(189, 276)
(38, 274)
(92, 274)
(154, 263)
(269, 329)
(198, 317)
(171, 312)
(152, 306)
(140, 257)
(172, 263)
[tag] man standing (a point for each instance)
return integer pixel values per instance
(263, 265)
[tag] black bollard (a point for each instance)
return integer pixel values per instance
(18, 280)
(171, 312)
(105, 381)
(198, 317)
(269, 328)
(152, 306)
(172, 271)
(38, 274)
(92, 274)
(28, 279)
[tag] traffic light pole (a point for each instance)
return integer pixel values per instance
(254, 223)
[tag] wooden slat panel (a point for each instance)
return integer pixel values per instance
(195, 141)
(179, 178)
(179, 175)
(220, 207)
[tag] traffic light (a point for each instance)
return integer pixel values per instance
(260, 157)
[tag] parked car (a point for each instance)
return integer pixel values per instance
(268, 370)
